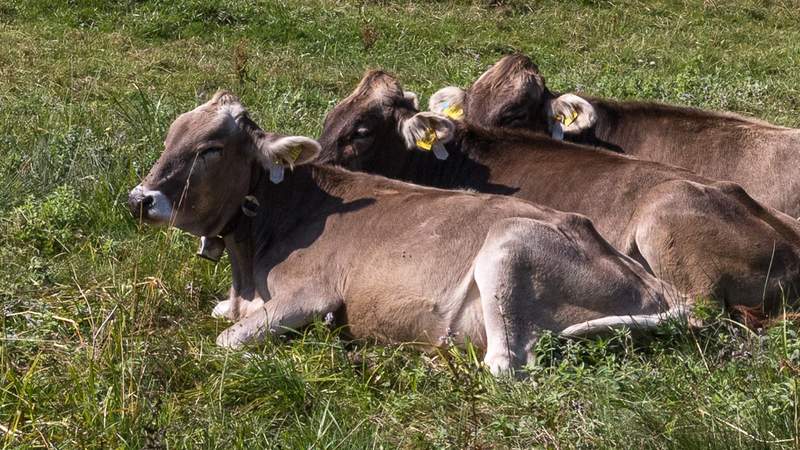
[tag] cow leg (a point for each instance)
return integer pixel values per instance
(248, 330)
(709, 244)
(230, 308)
(236, 307)
(502, 274)
(243, 289)
(224, 309)
(640, 322)
(533, 276)
(277, 316)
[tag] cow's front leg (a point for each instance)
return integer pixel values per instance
(243, 289)
(235, 307)
(227, 309)
(277, 316)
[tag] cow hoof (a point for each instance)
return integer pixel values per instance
(230, 339)
(499, 365)
(222, 310)
(252, 307)
(248, 331)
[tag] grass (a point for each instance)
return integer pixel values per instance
(107, 340)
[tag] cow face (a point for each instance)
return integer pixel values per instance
(513, 94)
(205, 171)
(378, 124)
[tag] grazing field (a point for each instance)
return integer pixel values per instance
(106, 339)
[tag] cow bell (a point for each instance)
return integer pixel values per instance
(211, 248)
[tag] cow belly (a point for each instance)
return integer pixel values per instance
(396, 316)
(400, 313)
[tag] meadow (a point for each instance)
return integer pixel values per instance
(106, 338)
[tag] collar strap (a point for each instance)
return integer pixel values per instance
(212, 247)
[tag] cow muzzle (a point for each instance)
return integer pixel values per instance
(149, 206)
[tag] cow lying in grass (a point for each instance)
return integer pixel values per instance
(707, 238)
(395, 262)
(763, 158)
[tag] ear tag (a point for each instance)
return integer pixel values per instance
(455, 112)
(427, 142)
(439, 151)
(293, 154)
(250, 206)
(211, 248)
(276, 173)
(557, 131)
(567, 120)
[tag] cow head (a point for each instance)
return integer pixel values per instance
(378, 124)
(205, 171)
(513, 94)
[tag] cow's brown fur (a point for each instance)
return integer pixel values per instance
(396, 262)
(708, 238)
(761, 157)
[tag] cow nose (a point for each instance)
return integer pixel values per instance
(139, 202)
(149, 205)
(147, 202)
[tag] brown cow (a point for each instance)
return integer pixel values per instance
(707, 238)
(394, 261)
(761, 157)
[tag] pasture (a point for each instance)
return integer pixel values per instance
(106, 338)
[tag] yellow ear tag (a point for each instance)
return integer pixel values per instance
(294, 153)
(427, 142)
(455, 112)
(567, 120)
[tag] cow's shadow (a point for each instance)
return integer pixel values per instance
(458, 171)
(589, 137)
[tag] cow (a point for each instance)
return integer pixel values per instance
(394, 262)
(759, 156)
(708, 238)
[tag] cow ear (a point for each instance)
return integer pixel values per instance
(448, 101)
(408, 95)
(570, 114)
(278, 152)
(428, 131)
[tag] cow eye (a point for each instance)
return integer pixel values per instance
(210, 152)
(515, 117)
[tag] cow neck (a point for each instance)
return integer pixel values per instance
(240, 218)
(237, 235)
(477, 157)
(307, 192)
(499, 147)
(624, 126)
(611, 127)
(249, 238)
(461, 169)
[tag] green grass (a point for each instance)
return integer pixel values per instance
(107, 340)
